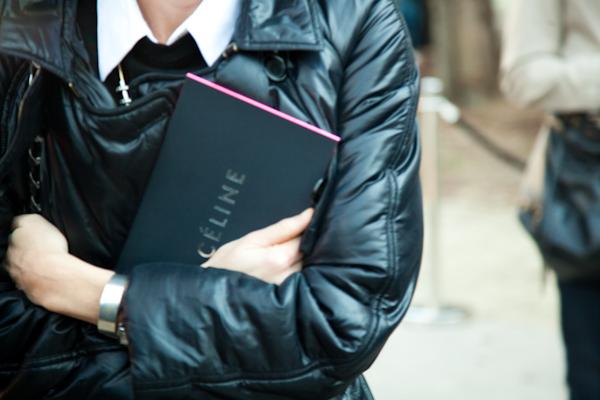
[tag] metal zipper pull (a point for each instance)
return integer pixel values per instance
(231, 48)
(123, 88)
(73, 89)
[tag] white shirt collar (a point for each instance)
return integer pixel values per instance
(121, 25)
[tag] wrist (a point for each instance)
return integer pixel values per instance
(79, 288)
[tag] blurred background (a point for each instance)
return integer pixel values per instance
(484, 323)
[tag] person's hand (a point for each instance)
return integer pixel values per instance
(34, 233)
(39, 263)
(31, 244)
(270, 254)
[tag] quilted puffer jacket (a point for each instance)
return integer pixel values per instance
(343, 65)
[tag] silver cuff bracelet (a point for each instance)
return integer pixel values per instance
(110, 302)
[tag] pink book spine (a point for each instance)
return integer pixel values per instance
(263, 107)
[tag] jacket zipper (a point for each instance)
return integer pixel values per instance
(34, 71)
(20, 93)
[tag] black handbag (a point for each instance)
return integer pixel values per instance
(566, 225)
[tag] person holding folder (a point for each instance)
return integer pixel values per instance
(87, 89)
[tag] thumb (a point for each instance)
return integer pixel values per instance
(282, 231)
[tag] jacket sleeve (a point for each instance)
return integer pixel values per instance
(39, 349)
(534, 70)
(8, 67)
(43, 352)
(198, 333)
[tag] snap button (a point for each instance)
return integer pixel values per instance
(276, 68)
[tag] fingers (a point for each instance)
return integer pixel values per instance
(21, 220)
(14, 238)
(17, 222)
(297, 267)
(291, 251)
(281, 257)
(282, 231)
(8, 267)
(290, 259)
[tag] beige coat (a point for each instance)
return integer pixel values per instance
(551, 55)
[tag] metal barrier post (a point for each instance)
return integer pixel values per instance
(433, 106)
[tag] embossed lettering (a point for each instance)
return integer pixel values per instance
(235, 177)
(211, 234)
(222, 210)
(229, 194)
(206, 252)
(220, 224)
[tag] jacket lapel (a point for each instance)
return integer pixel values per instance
(273, 25)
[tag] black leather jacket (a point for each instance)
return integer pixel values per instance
(344, 65)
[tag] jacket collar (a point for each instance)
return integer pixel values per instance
(37, 30)
(44, 31)
(260, 26)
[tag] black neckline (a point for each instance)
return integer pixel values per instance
(146, 57)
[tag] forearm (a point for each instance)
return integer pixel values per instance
(220, 332)
(37, 345)
(76, 289)
(65, 289)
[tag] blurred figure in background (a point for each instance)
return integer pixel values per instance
(551, 59)
(417, 20)
(416, 15)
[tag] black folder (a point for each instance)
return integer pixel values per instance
(228, 165)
